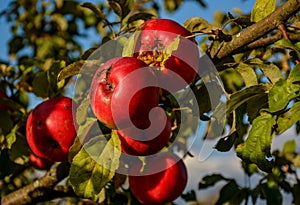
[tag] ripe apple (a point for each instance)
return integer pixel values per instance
(38, 162)
(177, 70)
(123, 91)
(160, 187)
(142, 142)
(50, 129)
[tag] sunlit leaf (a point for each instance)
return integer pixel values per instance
(257, 146)
(271, 71)
(281, 94)
(94, 166)
(248, 74)
(129, 47)
(11, 138)
(74, 68)
(262, 9)
(198, 24)
(295, 74)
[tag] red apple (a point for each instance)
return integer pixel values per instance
(161, 187)
(50, 129)
(142, 142)
(177, 70)
(123, 91)
(39, 163)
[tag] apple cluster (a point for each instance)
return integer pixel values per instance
(125, 94)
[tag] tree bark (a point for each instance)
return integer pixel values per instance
(256, 30)
(39, 188)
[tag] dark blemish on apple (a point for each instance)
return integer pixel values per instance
(67, 107)
(39, 124)
(52, 142)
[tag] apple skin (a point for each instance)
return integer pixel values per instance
(112, 95)
(181, 67)
(162, 187)
(39, 163)
(50, 129)
(142, 142)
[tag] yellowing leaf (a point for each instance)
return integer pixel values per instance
(262, 9)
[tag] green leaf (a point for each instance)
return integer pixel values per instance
(271, 194)
(281, 94)
(255, 105)
(116, 7)
(94, 166)
(173, 46)
(83, 135)
(87, 53)
(239, 98)
(139, 16)
(172, 5)
(6, 122)
(289, 146)
(60, 20)
(294, 75)
(74, 68)
(257, 146)
(225, 143)
(19, 152)
(45, 83)
(270, 70)
(82, 111)
(121, 8)
(40, 85)
(211, 180)
(189, 196)
(296, 195)
(129, 47)
(198, 24)
(262, 9)
(247, 74)
(228, 192)
(11, 138)
(288, 119)
(95, 9)
(287, 44)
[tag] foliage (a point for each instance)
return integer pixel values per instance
(261, 81)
